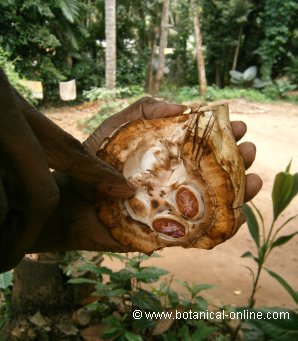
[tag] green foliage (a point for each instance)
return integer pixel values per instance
(279, 88)
(13, 76)
(277, 18)
(122, 292)
(248, 78)
(291, 70)
(106, 94)
(58, 40)
(214, 94)
(285, 188)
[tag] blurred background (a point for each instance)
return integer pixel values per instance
(62, 40)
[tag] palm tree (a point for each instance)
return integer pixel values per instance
(199, 48)
(110, 28)
(163, 41)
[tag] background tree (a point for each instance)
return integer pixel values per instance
(163, 41)
(110, 29)
(278, 31)
(64, 39)
(199, 49)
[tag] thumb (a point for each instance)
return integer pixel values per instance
(109, 181)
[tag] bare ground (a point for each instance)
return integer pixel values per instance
(274, 130)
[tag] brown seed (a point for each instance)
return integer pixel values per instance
(187, 203)
(170, 227)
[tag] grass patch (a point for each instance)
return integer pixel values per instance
(190, 93)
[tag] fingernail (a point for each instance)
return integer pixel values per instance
(187, 111)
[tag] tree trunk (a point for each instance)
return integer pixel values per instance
(40, 286)
(149, 78)
(235, 60)
(110, 29)
(163, 41)
(199, 50)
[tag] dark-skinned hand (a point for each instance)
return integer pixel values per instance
(31, 144)
(75, 225)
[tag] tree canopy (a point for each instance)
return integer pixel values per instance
(62, 39)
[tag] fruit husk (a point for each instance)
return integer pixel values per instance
(210, 155)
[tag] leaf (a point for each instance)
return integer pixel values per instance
(6, 279)
(145, 300)
(108, 290)
(282, 329)
(248, 254)
(259, 84)
(82, 281)
(70, 9)
(129, 336)
(283, 239)
(284, 190)
(201, 303)
(98, 270)
(183, 333)
(150, 274)
(196, 288)
(252, 223)
(286, 285)
(238, 76)
(113, 327)
(289, 167)
(202, 332)
(173, 298)
(250, 73)
(122, 275)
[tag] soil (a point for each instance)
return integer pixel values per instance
(273, 127)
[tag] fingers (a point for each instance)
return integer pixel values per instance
(239, 129)
(21, 154)
(146, 108)
(253, 186)
(149, 108)
(65, 153)
(248, 153)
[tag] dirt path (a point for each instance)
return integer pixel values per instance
(274, 129)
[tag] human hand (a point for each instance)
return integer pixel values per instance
(81, 228)
(31, 144)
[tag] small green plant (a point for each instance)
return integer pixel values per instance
(285, 188)
(125, 292)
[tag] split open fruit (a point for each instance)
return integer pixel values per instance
(190, 181)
